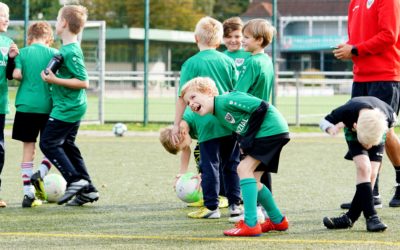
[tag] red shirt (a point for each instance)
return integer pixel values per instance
(374, 28)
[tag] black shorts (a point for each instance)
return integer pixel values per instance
(27, 126)
(388, 92)
(355, 148)
(268, 151)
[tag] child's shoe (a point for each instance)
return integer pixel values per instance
(199, 203)
(241, 229)
(260, 216)
(374, 224)
(223, 202)
(38, 183)
(341, 222)
(73, 189)
(205, 213)
(30, 202)
(3, 204)
(268, 225)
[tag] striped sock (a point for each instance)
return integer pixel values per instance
(26, 173)
(44, 167)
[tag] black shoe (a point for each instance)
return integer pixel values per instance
(374, 224)
(83, 198)
(30, 202)
(73, 189)
(377, 203)
(395, 202)
(340, 222)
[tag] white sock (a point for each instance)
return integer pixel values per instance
(26, 173)
(44, 167)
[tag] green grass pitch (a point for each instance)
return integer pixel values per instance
(138, 208)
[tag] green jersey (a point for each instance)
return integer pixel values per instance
(5, 43)
(219, 67)
(257, 76)
(234, 109)
(33, 95)
(239, 57)
(69, 105)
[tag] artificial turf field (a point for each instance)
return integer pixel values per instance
(138, 208)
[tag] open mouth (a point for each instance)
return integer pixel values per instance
(196, 108)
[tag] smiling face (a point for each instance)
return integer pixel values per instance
(199, 103)
(4, 20)
(251, 44)
(233, 40)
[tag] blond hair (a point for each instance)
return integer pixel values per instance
(75, 16)
(232, 24)
(209, 31)
(166, 140)
(4, 7)
(371, 126)
(40, 30)
(204, 85)
(260, 28)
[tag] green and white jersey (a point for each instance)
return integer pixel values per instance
(5, 43)
(219, 67)
(33, 95)
(69, 105)
(239, 57)
(257, 76)
(234, 109)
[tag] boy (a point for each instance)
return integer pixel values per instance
(233, 42)
(262, 133)
(366, 120)
(209, 62)
(33, 105)
(8, 52)
(57, 141)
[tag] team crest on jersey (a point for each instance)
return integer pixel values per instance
(229, 118)
(239, 61)
(369, 3)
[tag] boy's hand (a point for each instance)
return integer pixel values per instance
(175, 134)
(13, 51)
(49, 78)
(343, 52)
(335, 129)
(198, 177)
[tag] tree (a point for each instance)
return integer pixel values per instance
(224, 9)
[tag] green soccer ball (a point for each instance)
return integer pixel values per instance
(186, 188)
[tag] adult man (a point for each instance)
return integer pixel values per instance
(374, 47)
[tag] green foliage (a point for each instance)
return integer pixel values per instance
(224, 9)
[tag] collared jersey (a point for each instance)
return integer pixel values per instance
(234, 109)
(5, 43)
(33, 95)
(239, 57)
(257, 76)
(69, 105)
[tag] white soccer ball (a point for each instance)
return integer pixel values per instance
(187, 188)
(119, 129)
(54, 185)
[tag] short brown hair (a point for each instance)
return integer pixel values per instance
(75, 16)
(260, 28)
(166, 141)
(40, 30)
(232, 24)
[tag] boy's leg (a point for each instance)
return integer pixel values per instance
(266, 179)
(2, 152)
(392, 146)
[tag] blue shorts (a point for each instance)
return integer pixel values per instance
(388, 92)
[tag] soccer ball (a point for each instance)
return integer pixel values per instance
(119, 129)
(54, 185)
(186, 188)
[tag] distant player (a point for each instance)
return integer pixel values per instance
(366, 120)
(33, 105)
(262, 133)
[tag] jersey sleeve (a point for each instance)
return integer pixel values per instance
(75, 64)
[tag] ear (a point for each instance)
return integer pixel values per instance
(354, 126)
(196, 38)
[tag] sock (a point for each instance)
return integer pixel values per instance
(249, 193)
(26, 173)
(397, 170)
(44, 167)
(267, 201)
(266, 179)
(375, 191)
(366, 199)
(356, 207)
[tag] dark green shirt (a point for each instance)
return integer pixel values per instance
(33, 95)
(234, 109)
(5, 43)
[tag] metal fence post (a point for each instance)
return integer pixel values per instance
(297, 77)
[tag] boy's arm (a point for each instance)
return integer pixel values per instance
(179, 110)
(185, 158)
(72, 83)
(17, 74)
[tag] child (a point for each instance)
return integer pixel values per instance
(8, 52)
(262, 133)
(33, 104)
(233, 42)
(366, 120)
(57, 141)
(209, 62)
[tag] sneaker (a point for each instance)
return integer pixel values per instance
(395, 202)
(30, 202)
(2, 203)
(205, 213)
(83, 198)
(376, 199)
(38, 183)
(223, 202)
(73, 189)
(268, 225)
(340, 222)
(374, 224)
(199, 203)
(241, 229)
(260, 216)
(235, 210)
